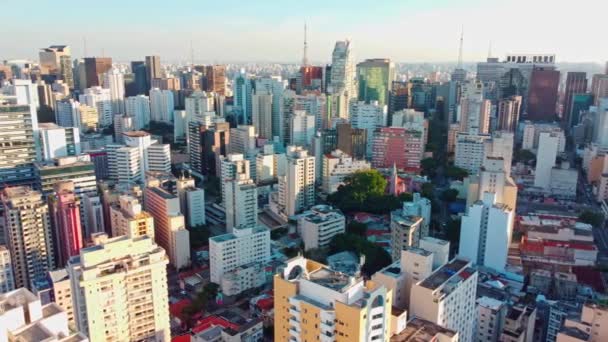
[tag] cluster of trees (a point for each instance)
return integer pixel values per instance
(201, 302)
(593, 218)
(524, 156)
(365, 191)
(199, 236)
(376, 258)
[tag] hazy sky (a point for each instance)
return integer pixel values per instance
(272, 30)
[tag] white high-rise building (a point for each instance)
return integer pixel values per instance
(501, 146)
(115, 82)
(532, 131)
(138, 107)
(336, 167)
(197, 104)
(27, 229)
(230, 167)
(159, 157)
(242, 139)
(343, 70)
(447, 297)
(439, 248)
(494, 179)
(161, 105)
(474, 110)
(419, 206)
(58, 141)
(297, 186)
(406, 231)
(545, 159)
(319, 225)
(122, 123)
(261, 112)
(301, 128)
(93, 214)
(100, 98)
(128, 218)
(7, 279)
(119, 289)
(485, 233)
(471, 150)
(491, 314)
(245, 245)
(125, 164)
(192, 201)
(24, 318)
(240, 198)
(368, 116)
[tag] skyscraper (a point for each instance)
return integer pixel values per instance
(262, 113)
(119, 289)
(94, 68)
(508, 113)
(397, 146)
(100, 98)
(115, 82)
(138, 68)
(28, 232)
(215, 76)
(342, 77)
(542, 97)
(18, 130)
(138, 107)
(128, 218)
(152, 70)
(599, 87)
(65, 218)
(297, 187)
(576, 83)
(161, 105)
(375, 78)
(547, 154)
(56, 141)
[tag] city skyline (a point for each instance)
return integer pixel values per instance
(414, 31)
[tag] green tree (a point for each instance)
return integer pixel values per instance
(357, 228)
(429, 165)
(593, 218)
(376, 257)
(449, 195)
(427, 190)
(456, 172)
(366, 183)
(524, 156)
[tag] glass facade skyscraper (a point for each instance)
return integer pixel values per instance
(375, 78)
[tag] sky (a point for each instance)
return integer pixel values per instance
(273, 30)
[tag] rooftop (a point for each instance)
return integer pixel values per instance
(331, 279)
(444, 273)
(575, 332)
(136, 134)
(435, 240)
(490, 303)
(420, 330)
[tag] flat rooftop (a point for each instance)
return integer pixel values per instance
(331, 279)
(420, 330)
(444, 273)
(435, 240)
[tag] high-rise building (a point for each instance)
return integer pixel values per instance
(243, 246)
(312, 300)
(576, 83)
(599, 87)
(215, 76)
(297, 186)
(169, 225)
(28, 233)
(128, 218)
(58, 141)
(161, 105)
(447, 297)
(490, 73)
(115, 82)
(153, 70)
(343, 73)
(275, 86)
(89, 118)
(580, 104)
(242, 88)
(400, 96)
(397, 146)
(94, 68)
(25, 318)
(470, 151)
(100, 98)
(485, 233)
(369, 117)
(122, 123)
(67, 113)
(352, 141)
(542, 97)
(138, 107)
(310, 78)
(375, 78)
(125, 164)
(319, 225)
(7, 279)
(261, 113)
(18, 144)
(475, 114)
(492, 178)
(406, 231)
(135, 268)
(192, 201)
(508, 113)
(206, 144)
(240, 199)
(138, 68)
(56, 60)
(301, 128)
(419, 206)
(545, 160)
(65, 215)
(242, 139)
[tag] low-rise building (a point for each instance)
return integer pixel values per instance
(319, 225)
(338, 165)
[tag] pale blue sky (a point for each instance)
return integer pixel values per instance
(272, 30)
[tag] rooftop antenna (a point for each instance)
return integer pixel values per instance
(191, 54)
(460, 49)
(305, 57)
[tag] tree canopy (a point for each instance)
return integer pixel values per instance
(456, 172)
(376, 258)
(591, 217)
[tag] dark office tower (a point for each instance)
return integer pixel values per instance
(215, 79)
(576, 83)
(542, 96)
(352, 141)
(508, 113)
(138, 68)
(512, 83)
(152, 70)
(94, 68)
(580, 103)
(400, 96)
